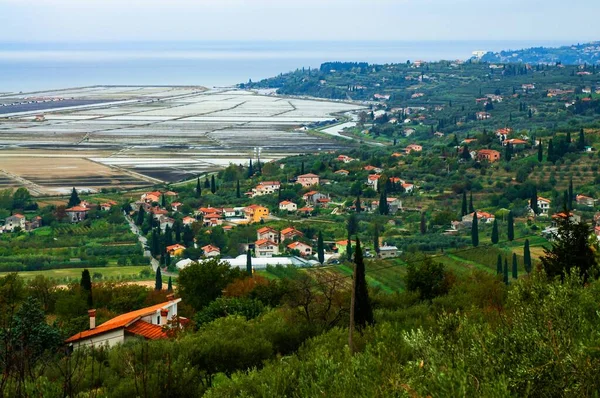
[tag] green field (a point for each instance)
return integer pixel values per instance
(73, 274)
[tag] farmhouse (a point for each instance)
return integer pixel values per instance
(290, 233)
(482, 115)
(265, 188)
(413, 148)
(345, 159)
(386, 251)
(304, 249)
(308, 180)
(313, 197)
(176, 206)
(175, 250)
(77, 213)
(489, 155)
(585, 200)
(188, 220)
(373, 169)
(286, 205)
(543, 205)
(14, 221)
(150, 197)
(373, 180)
(148, 323)
(212, 219)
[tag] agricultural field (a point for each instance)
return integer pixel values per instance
(106, 274)
(136, 136)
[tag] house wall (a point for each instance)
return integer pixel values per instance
(109, 339)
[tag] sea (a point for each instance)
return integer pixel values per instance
(29, 67)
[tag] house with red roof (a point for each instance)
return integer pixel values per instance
(290, 233)
(264, 248)
(488, 154)
(585, 200)
(150, 323)
(175, 250)
(14, 221)
(304, 249)
(344, 158)
(307, 180)
(373, 180)
(211, 251)
(150, 197)
(77, 213)
(188, 220)
(268, 233)
(342, 172)
(543, 205)
(287, 205)
(313, 197)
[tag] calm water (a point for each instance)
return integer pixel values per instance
(30, 67)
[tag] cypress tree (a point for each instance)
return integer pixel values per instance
(349, 248)
(566, 199)
(527, 256)
(383, 205)
(464, 204)
(302, 167)
(508, 152)
(206, 183)
(249, 262)
(475, 231)
(250, 169)
(238, 193)
(320, 249)
(163, 200)
(514, 266)
(168, 238)
(177, 229)
(376, 239)
(140, 216)
(551, 155)
(495, 237)
(581, 141)
(506, 271)
(86, 286)
(511, 226)
(423, 224)
(499, 265)
(358, 206)
(74, 199)
(363, 313)
(167, 259)
(533, 202)
(571, 197)
(170, 286)
(213, 185)
(158, 281)
(198, 188)
(540, 154)
(568, 137)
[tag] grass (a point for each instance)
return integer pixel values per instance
(126, 272)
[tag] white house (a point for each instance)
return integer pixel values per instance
(543, 205)
(286, 205)
(149, 323)
(388, 251)
(14, 221)
(265, 248)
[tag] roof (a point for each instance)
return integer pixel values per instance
(124, 320)
(343, 242)
(147, 330)
(488, 152)
(543, 199)
(17, 215)
(374, 177)
(290, 230)
(306, 209)
(265, 229)
(270, 183)
(77, 208)
(286, 202)
(311, 193)
(261, 242)
(309, 175)
(211, 248)
(176, 246)
(342, 172)
(296, 244)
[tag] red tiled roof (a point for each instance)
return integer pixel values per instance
(296, 244)
(77, 208)
(175, 247)
(265, 229)
(123, 320)
(211, 248)
(290, 230)
(147, 330)
(309, 175)
(311, 193)
(261, 242)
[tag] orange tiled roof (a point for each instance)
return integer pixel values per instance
(175, 247)
(261, 242)
(147, 330)
(309, 175)
(265, 229)
(123, 320)
(290, 230)
(296, 244)
(211, 248)
(77, 208)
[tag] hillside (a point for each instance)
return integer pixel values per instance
(576, 54)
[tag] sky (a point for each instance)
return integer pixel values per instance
(284, 20)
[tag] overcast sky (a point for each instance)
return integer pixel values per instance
(198, 20)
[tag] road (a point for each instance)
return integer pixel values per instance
(153, 262)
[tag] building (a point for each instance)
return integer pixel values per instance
(175, 250)
(376, 170)
(344, 158)
(482, 217)
(77, 213)
(268, 233)
(265, 248)
(313, 197)
(14, 221)
(304, 249)
(544, 205)
(386, 251)
(413, 148)
(211, 251)
(212, 220)
(265, 188)
(373, 181)
(286, 205)
(488, 155)
(308, 180)
(188, 220)
(290, 233)
(148, 323)
(176, 206)
(583, 200)
(256, 213)
(342, 172)
(151, 197)
(482, 115)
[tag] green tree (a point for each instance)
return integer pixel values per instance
(140, 216)
(505, 271)
(352, 224)
(533, 202)
(540, 154)
(423, 226)
(499, 265)
(250, 169)
(249, 262)
(571, 195)
(198, 188)
(464, 204)
(475, 231)
(515, 274)
(158, 279)
(74, 199)
(551, 156)
(581, 141)
(238, 193)
(511, 226)
(170, 285)
(471, 208)
(363, 313)
(376, 239)
(527, 256)
(384, 209)
(495, 237)
(202, 282)
(349, 247)
(86, 287)
(428, 278)
(572, 249)
(213, 184)
(163, 200)
(358, 205)
(320, 248)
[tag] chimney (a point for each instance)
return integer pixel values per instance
(92, 314)
(170, 297)
(163, 316)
